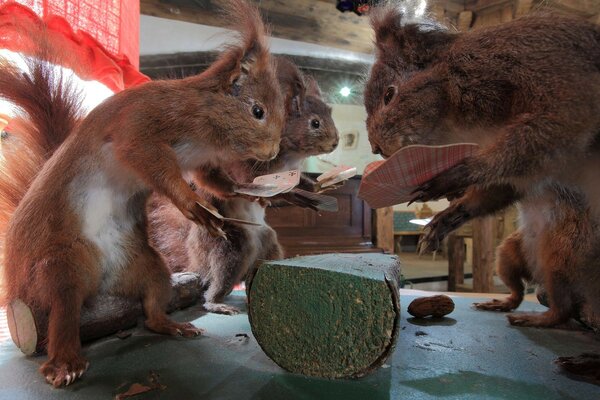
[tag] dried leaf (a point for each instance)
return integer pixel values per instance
(134, 390)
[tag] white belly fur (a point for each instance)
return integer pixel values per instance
(105, 222)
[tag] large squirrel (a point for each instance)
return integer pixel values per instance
(75, 224)
(222, 263)
(528, 92)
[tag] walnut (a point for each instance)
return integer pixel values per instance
(435, 306)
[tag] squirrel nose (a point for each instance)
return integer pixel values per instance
(376, 149)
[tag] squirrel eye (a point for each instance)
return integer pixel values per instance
(258, 112)
(389, 94)
(315, 124)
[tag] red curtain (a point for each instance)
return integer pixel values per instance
(101, 37)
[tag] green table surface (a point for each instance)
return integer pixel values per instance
(468, 355)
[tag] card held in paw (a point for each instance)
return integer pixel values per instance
(336, 175)
(390, 182)
(271, 185)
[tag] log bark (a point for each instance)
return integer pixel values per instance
(102, 317)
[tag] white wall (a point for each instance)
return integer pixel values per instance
(347, 118)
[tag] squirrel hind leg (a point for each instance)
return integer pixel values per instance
(148, 277)
(65, 363)
(513, 270)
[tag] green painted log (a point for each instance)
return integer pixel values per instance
(331, 315)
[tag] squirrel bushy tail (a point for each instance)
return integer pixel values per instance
(48, 108)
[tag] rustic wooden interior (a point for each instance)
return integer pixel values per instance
(319, 22)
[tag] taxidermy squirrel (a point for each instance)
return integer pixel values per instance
(528, 92)
(78, 223)
(222, 263)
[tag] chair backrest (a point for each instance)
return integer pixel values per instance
(402, 224)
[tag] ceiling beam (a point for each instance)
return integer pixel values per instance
(309, 21)
(586, 8)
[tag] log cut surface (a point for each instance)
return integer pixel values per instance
(333, 315)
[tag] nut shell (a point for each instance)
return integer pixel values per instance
(434, 306)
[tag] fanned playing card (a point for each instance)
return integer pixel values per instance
(272, 184)
(321, 202)
(222, 218)
(336, 175)
(390, 182)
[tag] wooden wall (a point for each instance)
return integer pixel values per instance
(474, 14)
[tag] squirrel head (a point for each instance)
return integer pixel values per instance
(309, 128)
(405, 95)
(247, 104)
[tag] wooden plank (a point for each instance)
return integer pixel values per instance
(439, 12)
(507, 13)
(486, 5)
(522, 7)
(302, 20)
(583, 7)
(465, 19)
(453, 6)
(484, 244)
(384, 228)
(456, 262)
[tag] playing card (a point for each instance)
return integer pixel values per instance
(258, 190)
(273, 184)
(335, 175)
(233, 220)
(390, 182)
(322, 202)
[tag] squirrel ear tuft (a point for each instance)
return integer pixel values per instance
(312, 87)
(252, 52)
(292, 85)
(403, 42)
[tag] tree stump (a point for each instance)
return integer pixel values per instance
(331, 316)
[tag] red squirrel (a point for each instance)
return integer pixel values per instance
(528, 92)
(309, 130)
(78, 225)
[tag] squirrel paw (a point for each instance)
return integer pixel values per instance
(64, 373)
(538, 320)
(206, 215)
(450, 184)
(440, 226)
(220, 308)
(497, 305)
(169, 327)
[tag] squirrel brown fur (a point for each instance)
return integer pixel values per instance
(77, 224)
(528, 92)
(222, 263)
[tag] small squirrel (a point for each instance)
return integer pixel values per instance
(78, 221)
(309, 130)
(528, 92)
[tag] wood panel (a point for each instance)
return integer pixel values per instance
(309, 21)
(384, 229)
(302, 231)
(456, 261)
(484, 246)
